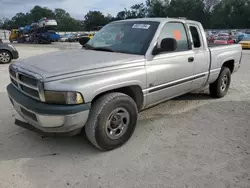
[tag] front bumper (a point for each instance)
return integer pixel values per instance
(49, 118)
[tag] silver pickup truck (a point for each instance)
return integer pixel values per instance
(128, 66)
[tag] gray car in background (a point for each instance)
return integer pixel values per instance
(7, 53)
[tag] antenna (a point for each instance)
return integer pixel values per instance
(183, 18)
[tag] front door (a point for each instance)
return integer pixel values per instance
(170, 74)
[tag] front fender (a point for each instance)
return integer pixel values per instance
(94, 84)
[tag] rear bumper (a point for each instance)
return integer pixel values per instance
(48, 118)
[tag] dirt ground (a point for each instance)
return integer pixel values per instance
(193, 141)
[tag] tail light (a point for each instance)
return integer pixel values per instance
(46, 20)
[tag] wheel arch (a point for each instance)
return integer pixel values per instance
(229, 64)
(134, 91)
(6, 50)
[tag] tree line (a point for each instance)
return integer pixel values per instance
(213, 14)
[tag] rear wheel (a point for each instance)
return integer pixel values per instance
(5, 57)
(220, 87)
(112, 121)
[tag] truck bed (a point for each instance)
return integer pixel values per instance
(221, 53)
(216, 45)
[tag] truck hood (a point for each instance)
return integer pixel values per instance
(68, 62)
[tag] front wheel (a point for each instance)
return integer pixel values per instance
(112, 121)
(220, 87)
(5, 57)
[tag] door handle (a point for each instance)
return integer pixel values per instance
(190, 59)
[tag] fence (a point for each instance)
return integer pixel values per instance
(74, 32)
(4, 34)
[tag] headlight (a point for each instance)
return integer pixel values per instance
(12, 47)
(60, 97)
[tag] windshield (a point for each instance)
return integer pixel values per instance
(131, 37)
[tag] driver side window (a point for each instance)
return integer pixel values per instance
(177, 31)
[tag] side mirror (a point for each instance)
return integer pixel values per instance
(84, 40)
(167, 45)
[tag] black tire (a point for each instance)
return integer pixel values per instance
(96, 126)
(219, 88)
(5, 57)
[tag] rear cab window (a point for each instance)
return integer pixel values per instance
(177, 31)
(196, 38)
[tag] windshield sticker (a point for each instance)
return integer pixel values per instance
(177, 35)
(141, 26)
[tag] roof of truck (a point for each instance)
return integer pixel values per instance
(159, 19)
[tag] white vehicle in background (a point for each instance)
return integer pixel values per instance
(44, 22)
(223, 35)
(65, 37)
(234, 32)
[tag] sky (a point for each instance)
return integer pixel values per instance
(76, 8)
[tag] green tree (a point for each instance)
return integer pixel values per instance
(93, 19)
(65, 21)
(209, 4)
(121, 15)
(39, 12)
(138, 11)
(157, 8)
(1, 23)
(211, 13)
(191, 9)
(231, 14)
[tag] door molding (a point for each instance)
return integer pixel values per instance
(176, 82)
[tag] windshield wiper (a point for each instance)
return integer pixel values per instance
(88, 46)
(103, 49)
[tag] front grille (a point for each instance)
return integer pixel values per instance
(28, 80)
(25, 83)
(30, 91)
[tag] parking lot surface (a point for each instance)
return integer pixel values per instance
(192, 141)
